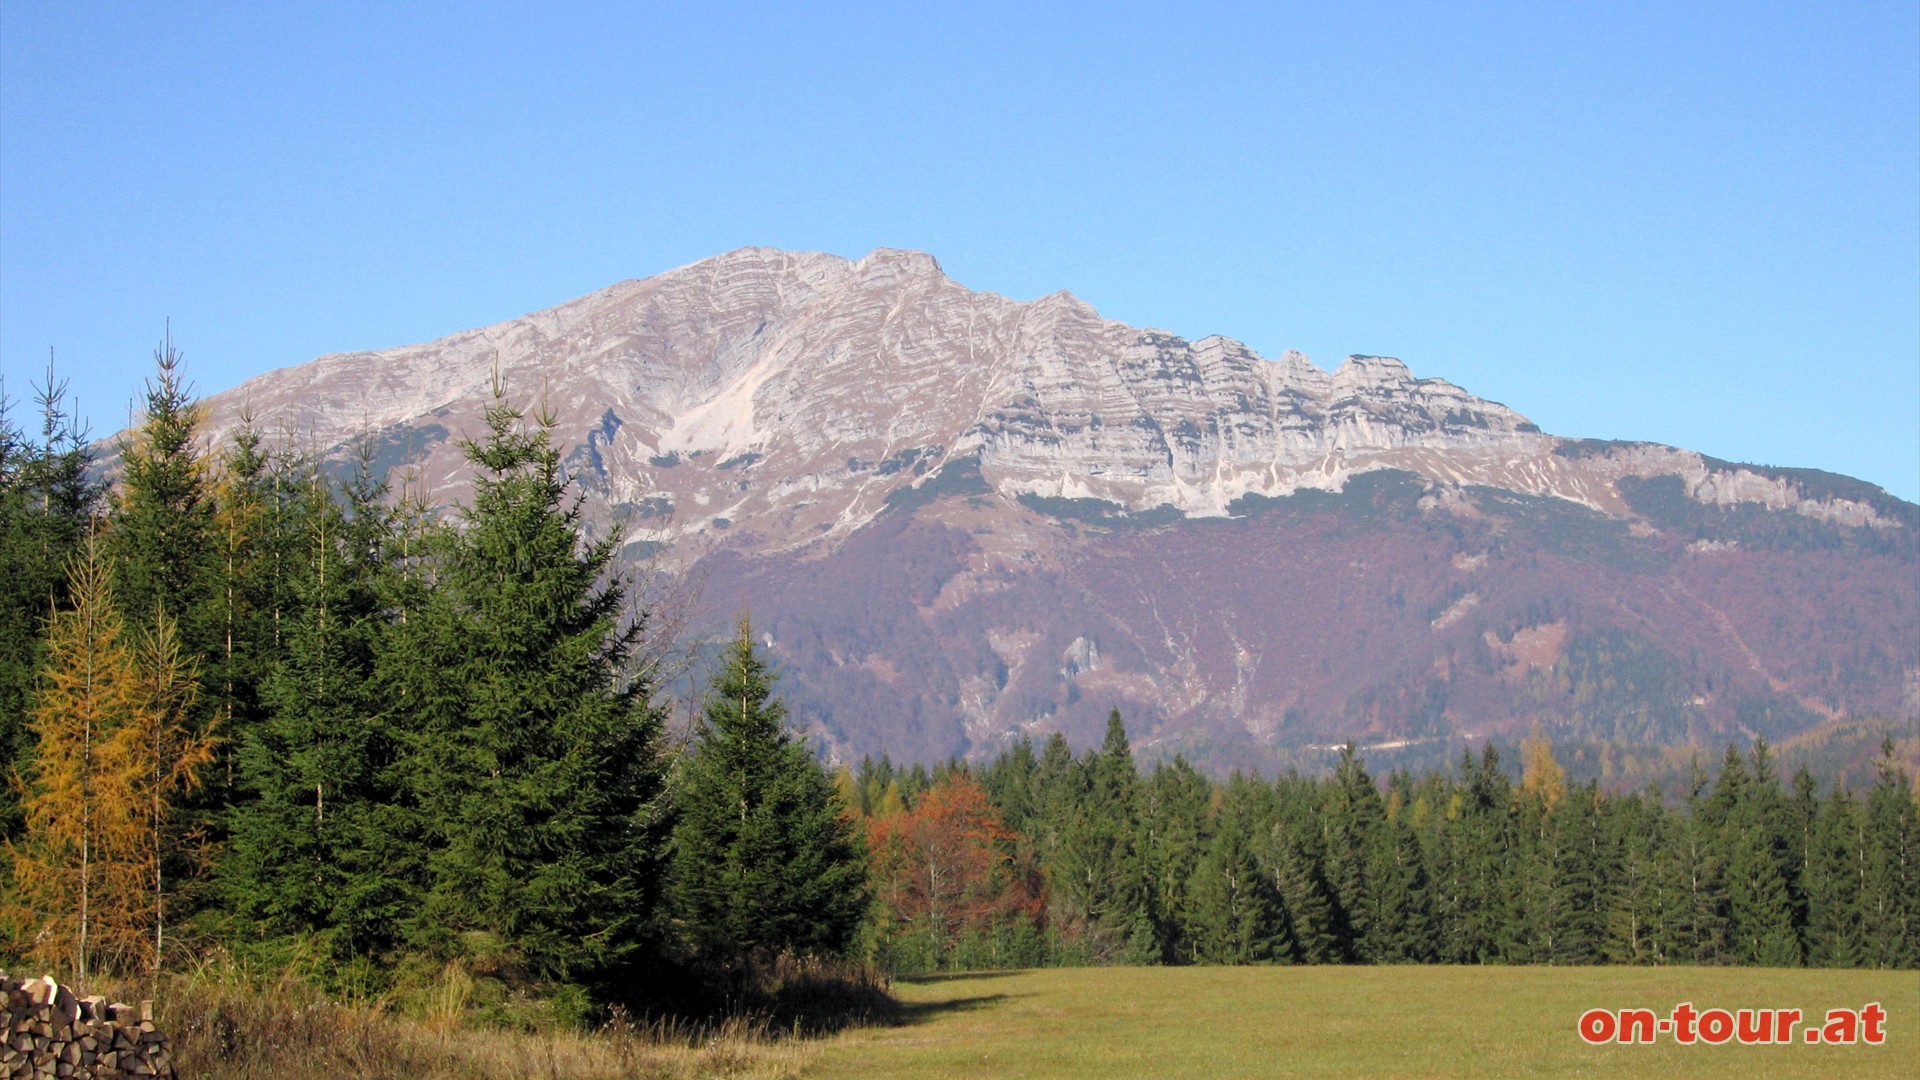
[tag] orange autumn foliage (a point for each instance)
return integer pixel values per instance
(949, 866)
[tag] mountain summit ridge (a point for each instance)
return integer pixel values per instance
(961, 517)
(813, 364)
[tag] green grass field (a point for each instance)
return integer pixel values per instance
(1361, 1021)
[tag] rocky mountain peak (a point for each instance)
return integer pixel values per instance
(882, 264)
(961, 516)
(1374, 371)
(813, 390)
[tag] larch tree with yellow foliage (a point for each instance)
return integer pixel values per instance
(161, 755)
(1540, 773)
(111, 750)
(74, 827)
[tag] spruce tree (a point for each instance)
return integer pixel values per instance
(1173, 824)
(1554, 913)
(1635, 928)
(1890, 888)
(1475, 848)
(162, 538)
(47, 503)
(765, 858)
(1296, 864)
(1696, 875)
(1764, 898)
(914, 781)
(1400, 915)
(1744, 819)
(534, 761)
(261, 508)
(1098, 880)
(320, 837)
(1351, 814)
(1059, 783)
(1574, 931)
(166, 562)
(1835, 936)
(1800, 814)
(1236, 911)
(1759, 905)
(1012, 781)
(1447, 855)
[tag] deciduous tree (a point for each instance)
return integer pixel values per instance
(112, 753)
(949, 869)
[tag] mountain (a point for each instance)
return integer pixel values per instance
(959, 517)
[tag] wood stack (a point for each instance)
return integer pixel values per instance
(50, 1032)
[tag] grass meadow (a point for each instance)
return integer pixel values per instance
(1355, 1021)
(1161, 1023)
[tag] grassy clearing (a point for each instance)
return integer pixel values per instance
(1092, 1022)
(1332, 1021)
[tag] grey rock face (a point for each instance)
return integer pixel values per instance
(793, 393)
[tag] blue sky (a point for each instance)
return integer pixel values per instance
(1698, 226)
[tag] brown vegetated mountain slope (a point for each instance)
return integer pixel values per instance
(959, 517)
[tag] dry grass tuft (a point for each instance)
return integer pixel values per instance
(226, 1026)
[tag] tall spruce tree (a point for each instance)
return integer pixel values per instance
(1351, 813)
(1635, 927)
(1761, 899)
(1059, 783)
(765, 857)
(1473, 855)
(1445, 840)
(1304, 895)
(1562, 923)
(1696, 873)
(260, 505)
(1398, 895)
(1889, 901)
(166, 562)
(1236, 915)
(1098, 879)
(1173, 826)
(320, 839)
(1836, 867)
(1799, 815)
(47, 502)
(162, 537)
(535, 762)
(1012, 781)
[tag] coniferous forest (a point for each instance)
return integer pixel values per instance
(254, 706)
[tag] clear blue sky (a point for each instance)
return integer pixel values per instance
(1692, 223)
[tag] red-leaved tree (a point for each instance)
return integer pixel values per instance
(949, 868)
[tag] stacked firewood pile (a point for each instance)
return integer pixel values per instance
(50, 1032)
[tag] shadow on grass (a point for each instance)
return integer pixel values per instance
(825, 1007)
(775, 996)
(785, 995)
(907, 1015)
(953, 976)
